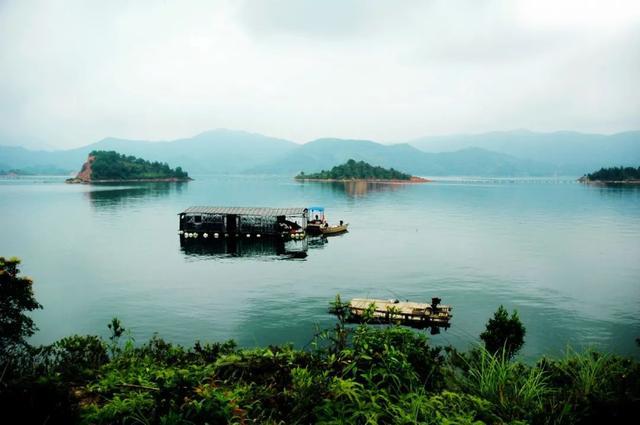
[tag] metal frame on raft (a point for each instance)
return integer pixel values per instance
(232, 222)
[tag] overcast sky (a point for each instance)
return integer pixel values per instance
(73, 72)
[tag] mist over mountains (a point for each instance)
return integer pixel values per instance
(512, 153)
(570, 152)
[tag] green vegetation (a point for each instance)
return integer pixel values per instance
(615, 174)
(504, 333)
(352, 170)
(16, 298)
(349, 375)
(110, 165)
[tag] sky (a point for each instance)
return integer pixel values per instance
(73, 72)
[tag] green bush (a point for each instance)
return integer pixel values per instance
(592, 387)
(504, 333)
(16, 298)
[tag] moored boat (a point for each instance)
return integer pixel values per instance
(334, 230)
(394, 311)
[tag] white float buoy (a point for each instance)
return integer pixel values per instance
(258, 235)
(248, 235)
(180, 232)
(206, 235)
(215, 235)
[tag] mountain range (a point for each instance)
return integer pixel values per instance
(570, 152)
(513, 153)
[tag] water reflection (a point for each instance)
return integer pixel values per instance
(618, 190)
(245, 247)
(114, 195)
(362, 188)
(318, 242)
(356, 188)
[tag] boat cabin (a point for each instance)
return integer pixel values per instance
(316, 214)
(242, 221)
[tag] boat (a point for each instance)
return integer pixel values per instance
(328, 230)
(394, 311)
(318, 225)
(316, 220)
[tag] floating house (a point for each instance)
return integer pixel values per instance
(225, 222)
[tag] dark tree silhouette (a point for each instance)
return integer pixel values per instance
(16, 298)
(504, 332)
(615, 174)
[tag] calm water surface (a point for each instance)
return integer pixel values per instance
(566, 256)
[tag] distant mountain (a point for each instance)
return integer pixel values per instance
(514, 153)
(216, 151)
(570, 152)
(21, 158)
(322, 154)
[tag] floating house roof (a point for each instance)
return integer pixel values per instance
(263, 212)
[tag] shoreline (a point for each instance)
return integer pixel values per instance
(413, 180)
(76, 180)
(607, 182)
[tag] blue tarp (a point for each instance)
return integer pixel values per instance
(316, 208)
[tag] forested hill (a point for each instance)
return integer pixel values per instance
(360, 170)
(614, 174)
(113, 166)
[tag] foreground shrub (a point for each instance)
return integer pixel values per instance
(504, 333)
(515, 390)
(592, 387)
(16, 298)
(354, 375)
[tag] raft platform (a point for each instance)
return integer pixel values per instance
(418, 315)
(242, 222)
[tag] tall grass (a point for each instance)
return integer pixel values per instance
(592, 386)
(512, 387)
(591, 372)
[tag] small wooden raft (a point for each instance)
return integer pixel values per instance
(407, 313)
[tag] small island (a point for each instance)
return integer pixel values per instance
(110, 166)
(613, 175)
(353, 170)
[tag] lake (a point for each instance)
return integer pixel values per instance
(565, 255)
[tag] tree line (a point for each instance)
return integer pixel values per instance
(110, 165)
(615, 174)
(352, 170)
